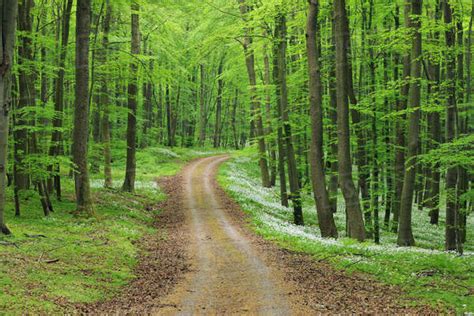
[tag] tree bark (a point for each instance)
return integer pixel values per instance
(452, 213)
(333, 182)
(434, 128)
(255, 101)
(280, 141)
(129, 182)
(405, 234)
(81, 109)
(220, 88)
(26, 97)
(268, 112)
(355, 222)
(400, 127)
(318, 177)
(56, 147)
(234, 121)
(104, 101)
(462, 124)
(8, 14)
(295, 193)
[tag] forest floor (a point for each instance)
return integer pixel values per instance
(181, 245)
(211, 263)
(426, 274)
(50, 265)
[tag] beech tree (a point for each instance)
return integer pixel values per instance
(405, 234)
(129, 182)
(8, 12)
(355, 222)
(255, 100)
(295, 190)
(56, 149)
(81, 110)
(318, 178)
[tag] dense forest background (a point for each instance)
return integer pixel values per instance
(363, 103)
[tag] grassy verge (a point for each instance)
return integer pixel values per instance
(49, 263)
(425, 273)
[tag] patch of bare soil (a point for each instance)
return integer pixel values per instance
(163, 260)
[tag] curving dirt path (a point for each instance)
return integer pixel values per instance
(205, 261)
(229, 276)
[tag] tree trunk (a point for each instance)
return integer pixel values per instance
(405, 234)
(280, 141)
(169, 116)
(202, 107)
(26, 98)
(400, 127)
(8, 10)
(452, 212)
(462, 124)
(268, 110)
(434, 128)
(81, 109)
(333, 182)
(56, 147)
(354, 215)
(220, 87)
(129, 182)
(295, 194)
(233, 119)
(318, 177)
(255, 101)
(104, 101)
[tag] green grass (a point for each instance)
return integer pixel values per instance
(97, 255)
(452, 282)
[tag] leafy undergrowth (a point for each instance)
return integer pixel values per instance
(426, 273)
(50, 263)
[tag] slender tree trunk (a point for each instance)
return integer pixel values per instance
(375, 159)
(56, 147)
(400, 127)
(26, 98)
(388, 139)
(81, 109)
(318, 177)
(359, 123)
(169, 116)
(461, 115)
(435, 133)
(255, 100)
(129, 182)
(174, 118)
(354, 214)
(220, 88)
(333, 182)
(202, 106)
(452, 212)
(295, 193)
(104, 100)
(405, 234)
(280, 141)
(233, 119)
(8, 10)
(268, 109)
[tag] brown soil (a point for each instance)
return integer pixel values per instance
(208, 262)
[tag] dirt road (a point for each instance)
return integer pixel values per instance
(228, 274)
(205, 261)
